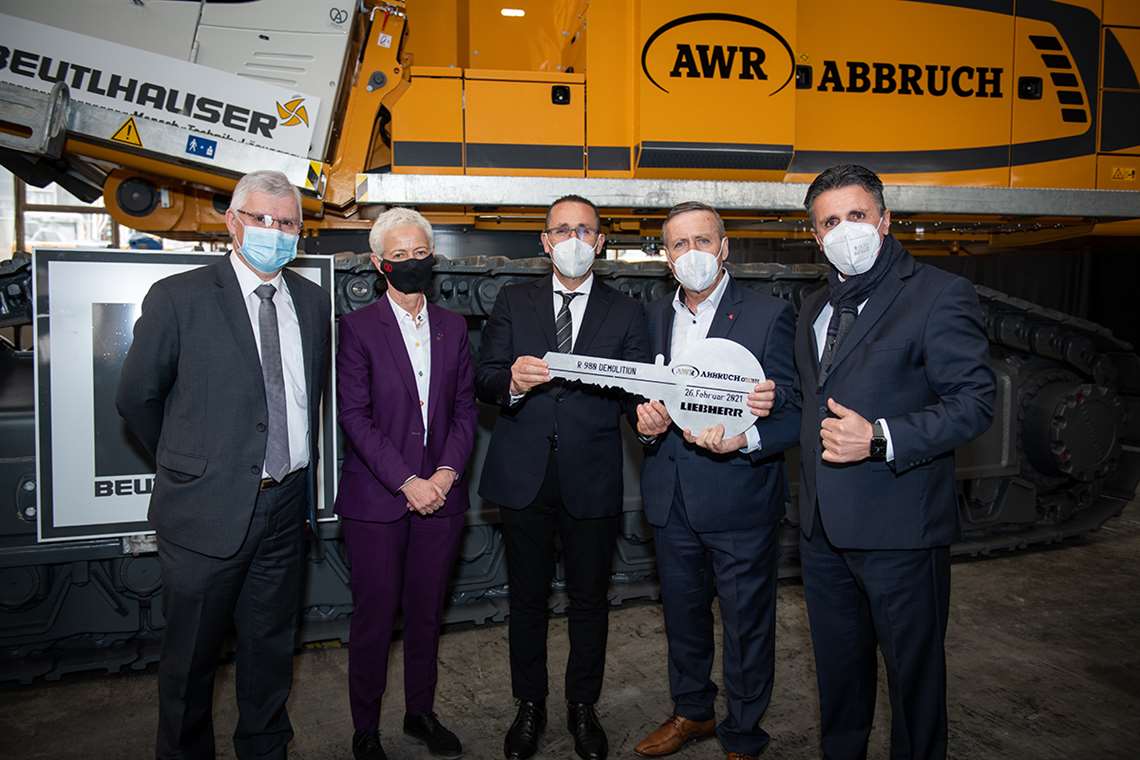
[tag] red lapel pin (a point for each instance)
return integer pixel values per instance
(731, 315)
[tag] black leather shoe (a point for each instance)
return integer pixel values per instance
(522, 738)
(426, 729)
(366, 746)
(589, 736)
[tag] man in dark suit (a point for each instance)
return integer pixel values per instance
(716, 503)
(223, 385)
(894, 370)
(554, 466)
(406, 404)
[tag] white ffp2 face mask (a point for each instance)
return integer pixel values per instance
(696, 269)
(572, 257)
(851, 247)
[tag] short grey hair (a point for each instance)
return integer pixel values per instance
(397, 216)
(688, 206)
(269, 182)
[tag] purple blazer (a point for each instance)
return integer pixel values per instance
(379, 412)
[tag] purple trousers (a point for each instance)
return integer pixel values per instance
(397, 566)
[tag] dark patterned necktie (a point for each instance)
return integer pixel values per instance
(277, 447)
(564, 324)
(842, 319)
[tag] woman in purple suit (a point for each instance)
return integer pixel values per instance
(406, 404)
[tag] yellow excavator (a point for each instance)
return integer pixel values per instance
(991, 118)
(996, 124)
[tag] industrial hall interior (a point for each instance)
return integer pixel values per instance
(555, 379)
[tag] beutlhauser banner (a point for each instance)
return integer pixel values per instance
(94, 479)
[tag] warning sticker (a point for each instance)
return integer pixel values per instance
(384, 40)
(1121, 174)
(128, 133)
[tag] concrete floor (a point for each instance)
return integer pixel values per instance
(1043, 658)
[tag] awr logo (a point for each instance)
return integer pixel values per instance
(767, 59)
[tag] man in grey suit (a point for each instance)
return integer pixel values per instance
(223, 385)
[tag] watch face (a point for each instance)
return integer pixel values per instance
(878, 447)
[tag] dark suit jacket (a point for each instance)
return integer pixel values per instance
(731, 491)
(584, 418)
(378, 407)
(918, 357)
(192, 391)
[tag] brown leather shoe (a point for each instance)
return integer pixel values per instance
(674, 734)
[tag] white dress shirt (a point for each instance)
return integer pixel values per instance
(577, 305)
(689, 327)
(577, 311)
(292, 357)
(820, 329)
(417, 339)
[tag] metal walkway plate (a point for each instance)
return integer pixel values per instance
(444, 190)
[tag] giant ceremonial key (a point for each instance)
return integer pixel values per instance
(706, 384)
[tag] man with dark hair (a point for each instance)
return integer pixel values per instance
(716, 503)
(554, 467)
(575, 199)
(894, 371)
(847, 175)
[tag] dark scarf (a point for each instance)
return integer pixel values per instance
(846, 295)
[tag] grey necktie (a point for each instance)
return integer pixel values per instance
(277, 447)
(564, 324)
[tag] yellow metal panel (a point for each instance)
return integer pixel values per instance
(1130, 228)
(996, 177)
(446, 72)
(358, 120)
(427, 124)
(716, 88)
(434, 34)
(507, 75)
(1118, 173)
(610, 88)
(1122, 12)
(933, 81)
(515, 128)
(1079, 172)
(534, 42)
(1062, 111)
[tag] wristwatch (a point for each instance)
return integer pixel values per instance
(878, 442)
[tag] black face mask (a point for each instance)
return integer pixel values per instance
(409, 275)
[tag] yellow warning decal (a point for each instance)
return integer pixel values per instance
(1124, 175)
(313, 176)
(128, 133)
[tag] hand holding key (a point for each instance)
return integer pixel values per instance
(652, 418)
(527, 372)
(762, 398)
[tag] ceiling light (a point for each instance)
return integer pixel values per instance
(513, 12)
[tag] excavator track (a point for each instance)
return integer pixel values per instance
(1061, 459)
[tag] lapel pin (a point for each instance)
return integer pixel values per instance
(731, 315)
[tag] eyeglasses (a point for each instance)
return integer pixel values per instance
(564, 231)
(291, 226)
(400, 254)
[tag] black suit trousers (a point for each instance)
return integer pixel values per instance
(897, 600)
(739, 566)
(587, 556)
(258, 591)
